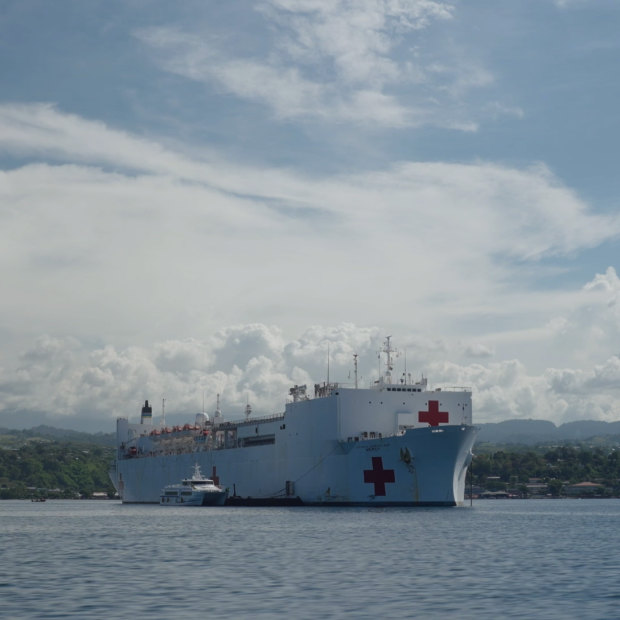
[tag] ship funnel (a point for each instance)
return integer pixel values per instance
(147, 413)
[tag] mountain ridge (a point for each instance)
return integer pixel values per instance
(531, 432)
(518, 431)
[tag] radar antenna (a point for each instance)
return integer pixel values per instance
(388, 350)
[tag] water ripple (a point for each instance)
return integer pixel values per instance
(509, 559)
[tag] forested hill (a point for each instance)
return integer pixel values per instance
(49, 462)
(12, 437)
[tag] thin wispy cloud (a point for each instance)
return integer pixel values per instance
(332, 61)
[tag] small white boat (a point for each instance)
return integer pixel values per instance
(194, 491)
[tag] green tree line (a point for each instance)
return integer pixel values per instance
(62, 468)
(500, 469)
(54, 469)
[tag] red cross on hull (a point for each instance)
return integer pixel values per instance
(379, 476)
(433, 416)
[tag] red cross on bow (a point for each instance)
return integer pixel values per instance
(215, 477)
(379, 476)
(433, 416)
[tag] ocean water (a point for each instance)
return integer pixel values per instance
(497, 559)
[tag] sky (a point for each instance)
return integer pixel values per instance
(218, 198)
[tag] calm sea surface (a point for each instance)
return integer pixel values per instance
(497, 559)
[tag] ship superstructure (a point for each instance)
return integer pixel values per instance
(393, 443)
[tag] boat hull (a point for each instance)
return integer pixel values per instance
(196, 499)
(420, 467)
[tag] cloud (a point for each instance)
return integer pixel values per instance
(506, 390)
(357, 38)
(279, 86)
(434, 250)
(607, 282)
(254, 363)
(248, 362)
(341, 61)
(478, 350)
(102, 245)
(40, 130)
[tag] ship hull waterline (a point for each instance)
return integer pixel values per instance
(420, 467)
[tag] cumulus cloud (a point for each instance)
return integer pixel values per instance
(244, 363)
(601, 378)
(607, 282)
(255, 364)
(507, 390)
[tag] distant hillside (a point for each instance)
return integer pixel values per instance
(532, 432)
(523, 432)
(54, 463)
(15, 437)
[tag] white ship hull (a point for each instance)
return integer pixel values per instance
(422, 467)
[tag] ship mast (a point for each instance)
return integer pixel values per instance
(355, 366)
(217, 418)
(388, 350)
(328, 363)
